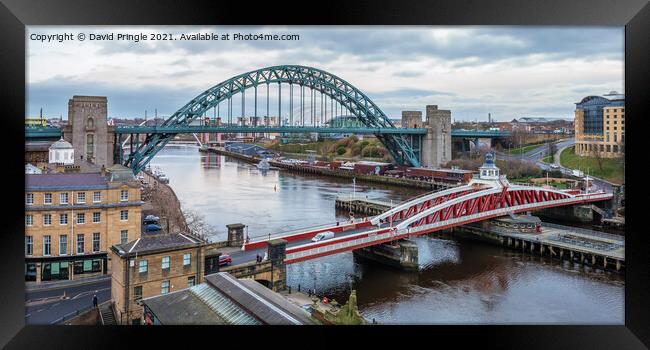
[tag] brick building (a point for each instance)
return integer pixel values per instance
(156, 264)
(88, 131)
(71, 220)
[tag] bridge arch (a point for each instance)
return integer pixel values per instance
(508, 199)
(339, 90)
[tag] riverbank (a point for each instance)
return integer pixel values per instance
(335, 173)
(161, 200)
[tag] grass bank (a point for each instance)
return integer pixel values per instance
(610, 169)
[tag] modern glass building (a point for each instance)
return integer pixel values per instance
(592, 109)
(600, 125)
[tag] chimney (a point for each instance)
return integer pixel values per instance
(103, 170)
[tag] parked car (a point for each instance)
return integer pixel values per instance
(555, 166)
(323, 236)
(224, 260)
(153, 227)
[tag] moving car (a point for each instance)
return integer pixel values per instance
(224, 260)
(323, 236)
(555, 166)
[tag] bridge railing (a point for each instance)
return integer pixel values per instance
(262, 238)
(587, 232)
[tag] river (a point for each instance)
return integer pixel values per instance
(458, 282)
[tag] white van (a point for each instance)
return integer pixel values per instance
(323, 236)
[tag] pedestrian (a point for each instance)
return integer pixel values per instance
(94, 300)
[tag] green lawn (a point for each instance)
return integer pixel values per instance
(612, 168)
(524, 149)
(548, 159)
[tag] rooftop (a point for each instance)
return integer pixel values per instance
(151, 243)
(223, 299)
(181, 308)
(71, 181)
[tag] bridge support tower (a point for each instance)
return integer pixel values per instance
(235, 234)
(435, 146)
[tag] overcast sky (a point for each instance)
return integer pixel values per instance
(509, 72)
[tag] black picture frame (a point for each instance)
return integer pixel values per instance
(633, 14)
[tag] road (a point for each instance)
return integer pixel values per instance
(46, 305)
(536, 155)
(241, 257)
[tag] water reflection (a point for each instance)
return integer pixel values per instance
(458, 281)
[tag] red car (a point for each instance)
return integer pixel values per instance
(225, 260)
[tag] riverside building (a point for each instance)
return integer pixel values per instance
(156, 264)
(600, 126)
(72, 219)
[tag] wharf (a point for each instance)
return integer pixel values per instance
(428, 185)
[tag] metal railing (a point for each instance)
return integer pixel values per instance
(262, 238)
(587, 232)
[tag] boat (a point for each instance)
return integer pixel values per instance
(263, 164)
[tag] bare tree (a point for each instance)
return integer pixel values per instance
(197, 226)
(597, 153)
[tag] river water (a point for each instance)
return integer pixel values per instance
(458, 282)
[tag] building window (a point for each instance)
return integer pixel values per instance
(29, 220)
(47, 219)
(164, 287)
(97, 197)
(137, 293)
(191, 281)
(80, 243)
(63, 198)
(47, 198)
(124, 236)
(165, 263)
(63, 219)
(96, 242)
(143, 266)
(97, 217)
(81, 218)
(81, 197)
(90, 146)
(124, 215)
(63, 245)
(187, 259)
(29, 245)
(124, 195)
(47, 247)
(29, 198)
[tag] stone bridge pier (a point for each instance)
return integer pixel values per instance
(402, 254)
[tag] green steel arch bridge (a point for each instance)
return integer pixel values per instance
(323, 89)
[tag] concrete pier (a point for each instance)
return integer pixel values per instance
(591, 248)
(402, 254)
